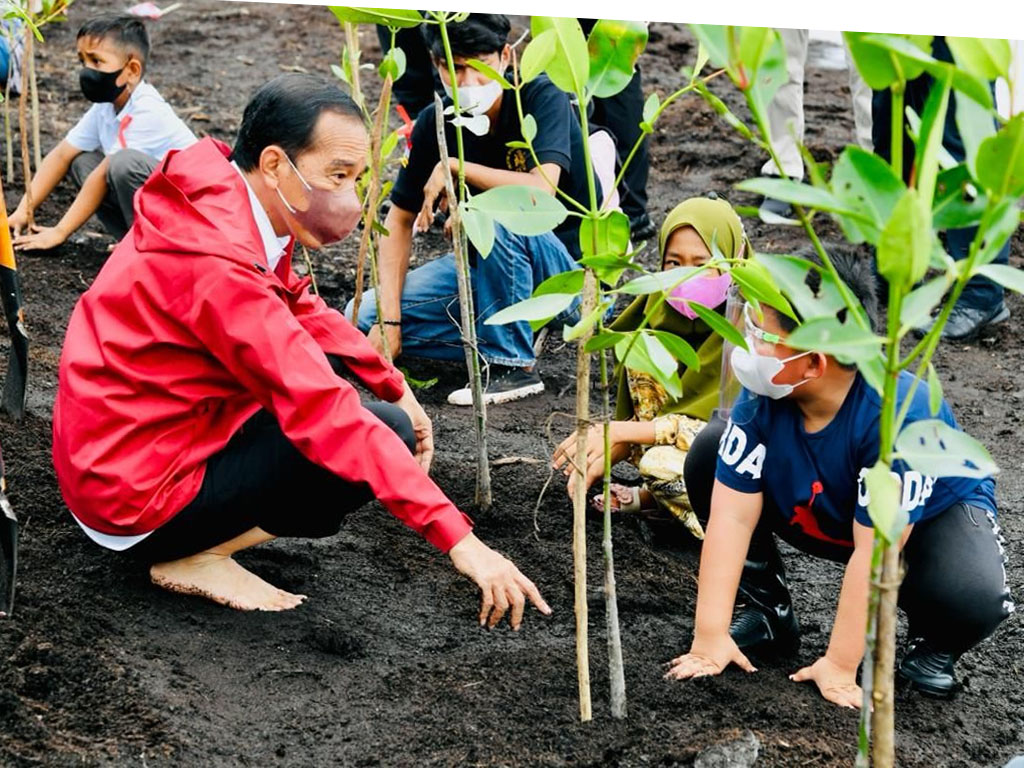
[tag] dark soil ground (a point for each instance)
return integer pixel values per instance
(385, 664)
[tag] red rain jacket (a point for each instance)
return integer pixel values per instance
(184, 335)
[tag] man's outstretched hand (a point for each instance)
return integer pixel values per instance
(501, 584)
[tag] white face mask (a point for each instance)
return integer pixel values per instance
(474, 101)
(755, 372)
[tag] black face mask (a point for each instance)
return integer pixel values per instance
(100, 86)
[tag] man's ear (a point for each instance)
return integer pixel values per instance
(817, 365)
(271, 160)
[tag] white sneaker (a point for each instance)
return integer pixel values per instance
(506, 384)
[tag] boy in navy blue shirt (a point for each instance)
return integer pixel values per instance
(791, 462)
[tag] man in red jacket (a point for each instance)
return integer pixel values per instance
(200, 410)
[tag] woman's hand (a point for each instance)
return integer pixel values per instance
(708, 656)
(836, 683)
(564, 457)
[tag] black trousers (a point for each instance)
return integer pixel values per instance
(954, 592)
(260, 479)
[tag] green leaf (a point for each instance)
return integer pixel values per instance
(719, 324)
(756, 283)
(573, 332)
(644, 352)
(492, 73)
(521, 209)
(864, 182)
(975, 124)
(985, 58)
(875, 63)
(934, 391)
(764, 56)
(563, 282)
(389, 145)
(603, 340)
(614, 46)
(341, 74)
(906, 243)
(418, 383)
(679, 348)
(655, 282)
(795, 192)
(723, 111)
(919, 303)
(873, 371)
(391, 17)
(929, 143)
(538, 53)
(479, 228)
(954, 207)
(715, 40)
(651, 106)
(529, 128)
(885, 506)
(790, 274)
(392, 64)
(609, 266)
(845, 341)
(380, 229)
(997, 227)
(1001, 160)
(702, 60)
(533, 309)
(569, 68)
(1006, 276)
(609, 234)
(934, 448)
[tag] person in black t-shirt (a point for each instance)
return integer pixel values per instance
(420, 308)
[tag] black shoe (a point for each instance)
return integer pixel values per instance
(774, 211)
(501, 385)
(967, 323)
(927, 670)
(774, 628)
(642, 228)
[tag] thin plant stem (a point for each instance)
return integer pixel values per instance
(37, 156)
(23, 130)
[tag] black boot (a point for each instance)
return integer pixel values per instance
(928, 670)
(764, 619)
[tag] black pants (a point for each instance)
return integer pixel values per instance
(260, 479)
(954, 592)
(127, 170)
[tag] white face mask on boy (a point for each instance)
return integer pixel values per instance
(755, 371)
(474, 101)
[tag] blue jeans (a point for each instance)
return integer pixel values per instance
(430, 300)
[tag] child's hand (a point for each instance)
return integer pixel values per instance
(18, 221)
(708, 656)
(835, 683)
(41, 239)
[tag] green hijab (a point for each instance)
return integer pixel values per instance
(714, 220)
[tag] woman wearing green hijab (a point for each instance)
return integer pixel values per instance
(651, 429)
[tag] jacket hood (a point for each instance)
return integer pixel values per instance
(190, 205)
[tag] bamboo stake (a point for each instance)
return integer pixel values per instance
(352, 49)
(23, 129)
(8, 138)
(372, 193)
(616, 672)
(467, 314)
(883, 716)
(37, 156)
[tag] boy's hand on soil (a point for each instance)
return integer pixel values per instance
(502, 586)
(708, 656)
(18, 221)
(41, 239)
(835, 683)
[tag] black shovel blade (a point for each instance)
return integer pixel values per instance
(13, 401)
(8, 555)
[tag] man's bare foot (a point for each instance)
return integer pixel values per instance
(219, 578)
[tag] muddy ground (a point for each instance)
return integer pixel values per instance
(385, 665)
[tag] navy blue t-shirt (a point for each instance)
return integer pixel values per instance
(558, 141)
(813, 483)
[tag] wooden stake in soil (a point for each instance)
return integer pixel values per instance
(467, 316)
(23, 127)
(883, 717)
(37, 156)
(7, 115)
(616, 672)
(579, 507)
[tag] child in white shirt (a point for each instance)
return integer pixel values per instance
(115, 146)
